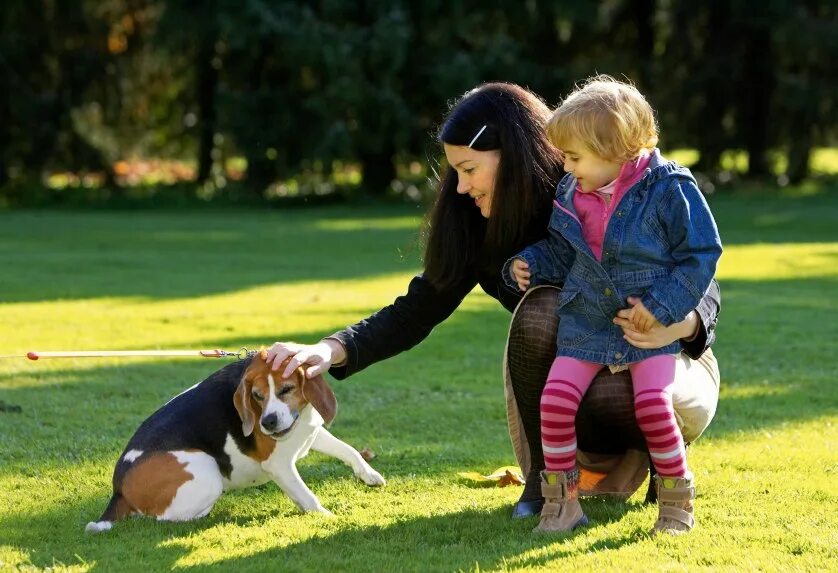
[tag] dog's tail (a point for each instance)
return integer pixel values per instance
(117, 509)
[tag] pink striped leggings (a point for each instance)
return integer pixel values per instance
(652, 379)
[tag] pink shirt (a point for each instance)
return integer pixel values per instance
(595, 209)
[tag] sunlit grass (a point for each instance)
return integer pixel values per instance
(779, 261)
(823, 160)
(766, 468)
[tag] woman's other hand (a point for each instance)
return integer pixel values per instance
(658, 335)
(318, 357)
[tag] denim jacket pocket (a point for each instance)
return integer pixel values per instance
(566, 296)
(574, 319)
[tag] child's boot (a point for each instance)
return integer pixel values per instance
(561, 511)
(675, 505)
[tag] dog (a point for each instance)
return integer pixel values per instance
(243, 426)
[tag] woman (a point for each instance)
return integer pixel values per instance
(494, 199)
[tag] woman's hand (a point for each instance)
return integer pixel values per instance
(658, 336)
(320, 357)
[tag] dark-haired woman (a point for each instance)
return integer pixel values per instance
(494, 199)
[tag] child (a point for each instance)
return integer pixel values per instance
(627, 225)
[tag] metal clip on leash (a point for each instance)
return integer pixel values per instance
(241, 354)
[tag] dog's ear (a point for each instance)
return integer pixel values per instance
(241, 400)
(318, 393)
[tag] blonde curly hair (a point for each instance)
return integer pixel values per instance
(610, 117)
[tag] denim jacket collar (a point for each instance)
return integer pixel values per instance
(658, 168)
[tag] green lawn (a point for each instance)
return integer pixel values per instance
(766, 469)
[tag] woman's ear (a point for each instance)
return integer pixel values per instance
(241, 400)
(320, 395)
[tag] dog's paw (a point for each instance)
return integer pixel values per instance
(371, 477)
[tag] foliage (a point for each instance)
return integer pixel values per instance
(297, 87)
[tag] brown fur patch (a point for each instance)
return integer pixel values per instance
(151, 485)
(256, 376)
(315, 391)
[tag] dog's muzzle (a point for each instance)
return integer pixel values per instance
(270, 422)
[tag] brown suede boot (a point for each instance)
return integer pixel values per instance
(561, 511)
(675, 505)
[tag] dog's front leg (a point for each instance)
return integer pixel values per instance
(326, 443)
(288, 479)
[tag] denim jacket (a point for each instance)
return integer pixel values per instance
(661, 245)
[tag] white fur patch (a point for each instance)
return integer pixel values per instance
(98, 526)
(196, 497)
(284, 417)
(246, 471)
(132, 455)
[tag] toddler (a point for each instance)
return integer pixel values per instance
(626, 224)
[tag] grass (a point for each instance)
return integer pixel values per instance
(766, 468)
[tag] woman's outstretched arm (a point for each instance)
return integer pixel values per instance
(393, 329)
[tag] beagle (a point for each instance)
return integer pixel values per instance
(240, 427)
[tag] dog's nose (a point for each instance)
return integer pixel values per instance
(269, 422)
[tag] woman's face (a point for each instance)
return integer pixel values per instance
(476, 172)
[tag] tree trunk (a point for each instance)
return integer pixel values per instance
(643, 16)
(799, 153)
(379, 171)
(718, 48)
(207, 82)
(758, 85)
(261, 171)
(5, 139)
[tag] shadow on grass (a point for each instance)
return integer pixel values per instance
(745, 218)
(166, 255)
(456, 540)
(196, 253)
(464, 540)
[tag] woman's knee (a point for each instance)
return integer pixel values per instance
(535, 322)
(695, 394)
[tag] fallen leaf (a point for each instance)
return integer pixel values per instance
(510, 478)
(501, 477)
(367, 454)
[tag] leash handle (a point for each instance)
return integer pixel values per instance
(214, 353)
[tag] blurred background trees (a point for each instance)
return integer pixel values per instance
(267, 98)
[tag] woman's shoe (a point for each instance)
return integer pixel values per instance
(529, 508)
(561, 511)
(675, 505)
(530, 502)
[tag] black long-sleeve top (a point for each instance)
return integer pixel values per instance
(412, 316)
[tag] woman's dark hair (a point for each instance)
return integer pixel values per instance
(459, 239)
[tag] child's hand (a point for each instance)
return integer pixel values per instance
(641, 319)
(520, 271)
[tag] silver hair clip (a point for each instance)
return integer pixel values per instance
(482, 129)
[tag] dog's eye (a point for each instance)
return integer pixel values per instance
(257, 395)
(285, 389)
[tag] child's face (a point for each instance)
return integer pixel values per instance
(591, 170)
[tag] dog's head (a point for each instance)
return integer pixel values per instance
(274, 402)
